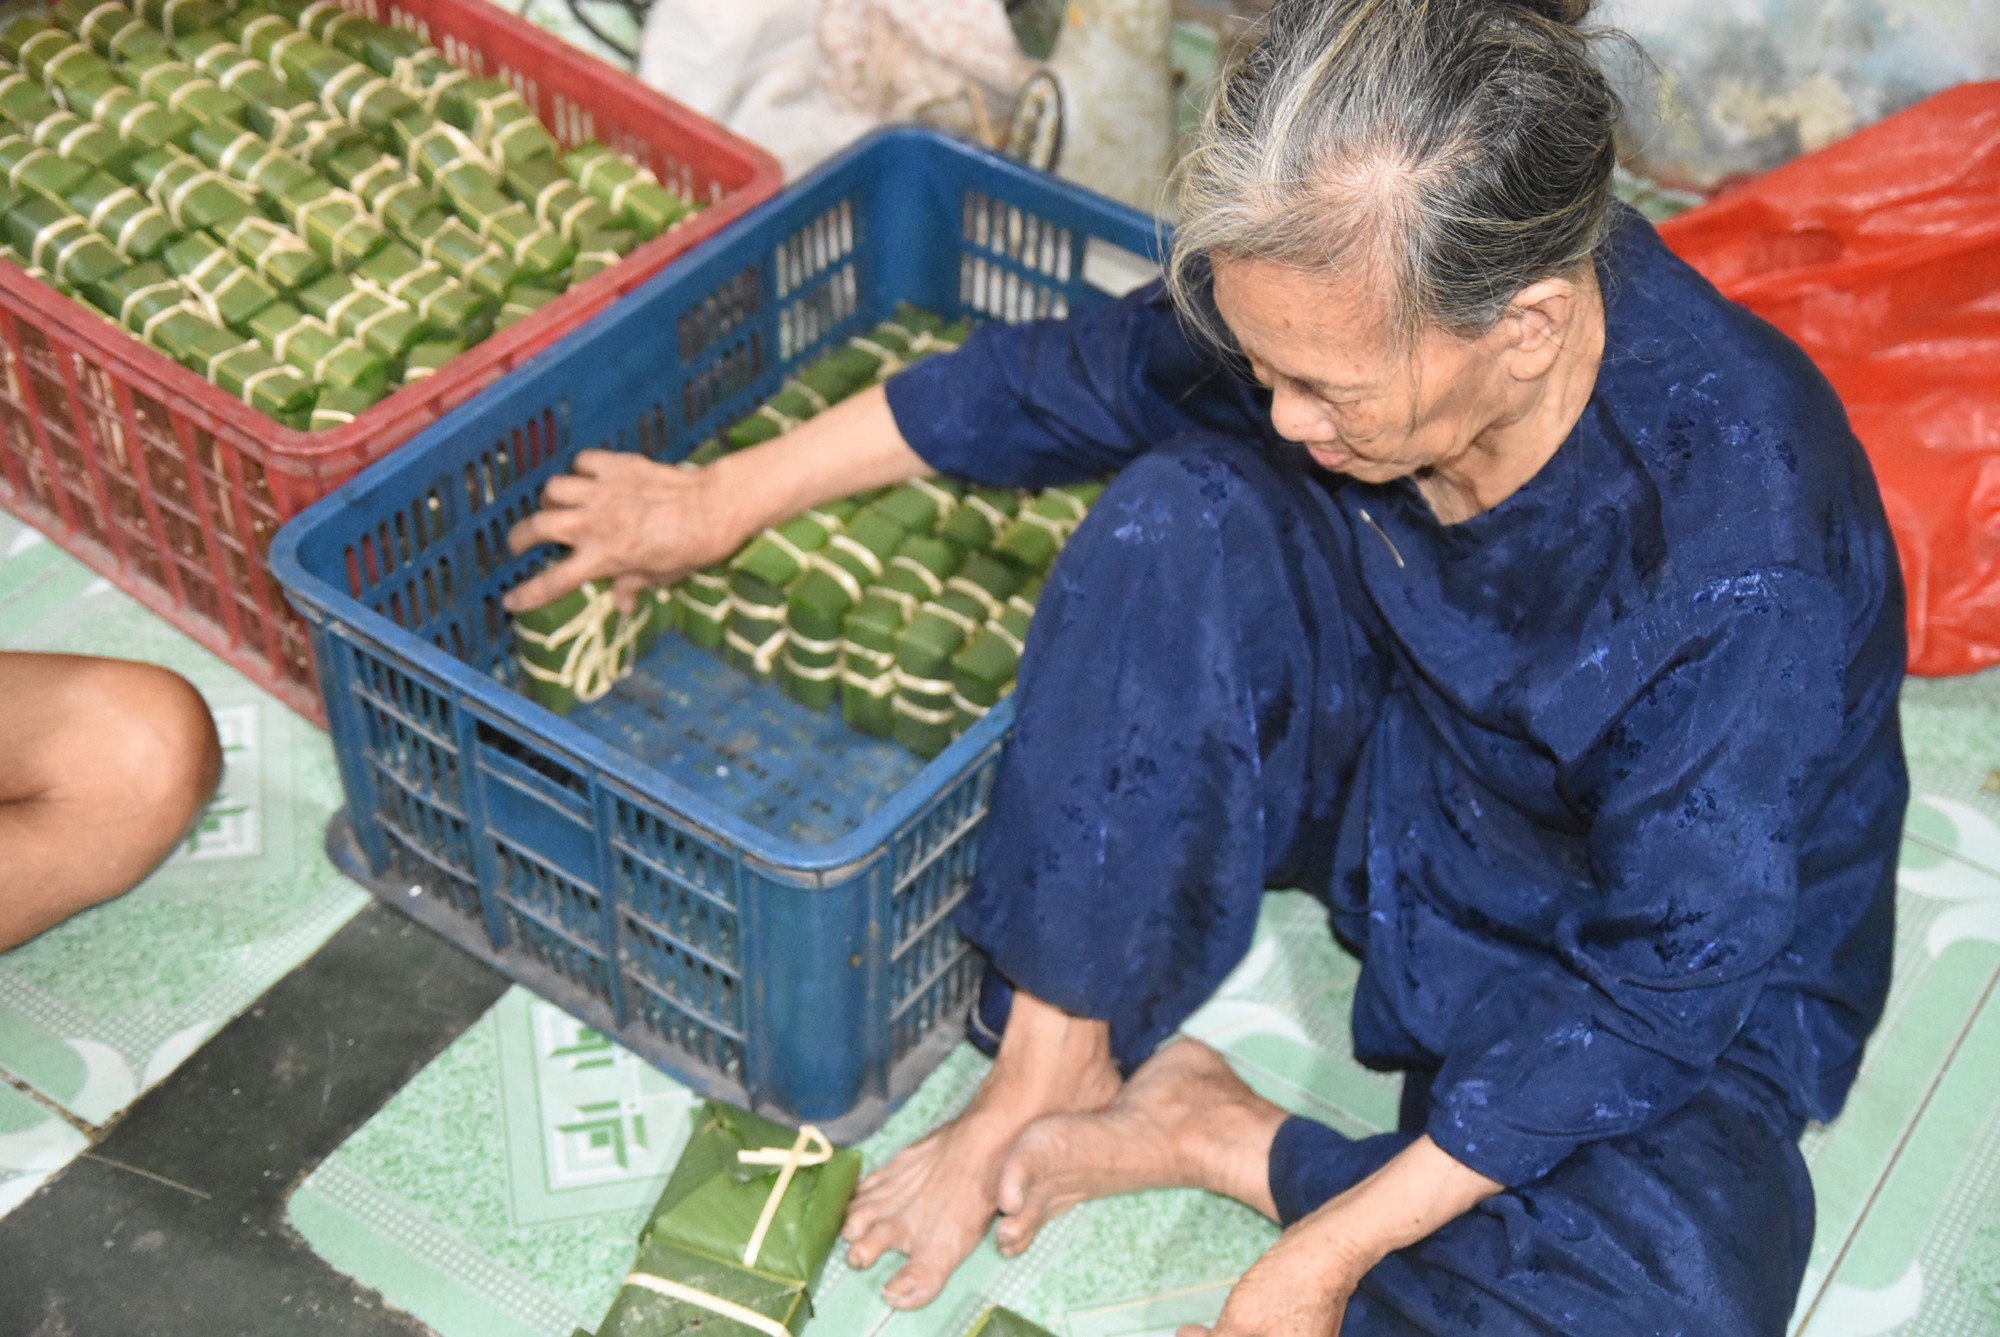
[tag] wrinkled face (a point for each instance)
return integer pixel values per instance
(1362, 403)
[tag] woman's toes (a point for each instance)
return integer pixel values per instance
(916, 1285)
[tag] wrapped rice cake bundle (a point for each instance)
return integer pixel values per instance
(982, 674)
(342, 85)
(983, 514)
(193, 195)
(276, 254)
(70, 136)
(128, 220)
(428, 358)
(868, 635)
(546, 189)
(576, 648)
(1044, 526)
(998, 1322)
(271, 106)
(57, 239)
(139, 296)
(245, 156)
(334, 223)
(33, 271)
(922, 504)
(746, 1223)
(703, 597)
(439, 300)
(449, 163)
(366, 315)
(925, 720)
(495, 117)
(111, 29)
(523, 301)
(177, 18)
(597, 251)
(439, 237)
(180, 87)
(835, 581)
(762, 573)
(394, 196)
(87, 84)
(25, 102)
(40, 170)
(225, 287)
(240, 368)
(534, 247)
(336, 408)
(319, 350)
(634, 194)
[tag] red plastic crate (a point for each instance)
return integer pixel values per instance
(172, 489)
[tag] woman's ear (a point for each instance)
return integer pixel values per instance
(1538, 323)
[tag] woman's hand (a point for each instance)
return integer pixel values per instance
(1301, 1287)
(637, 523)
(1298, 1289)
(627, 519)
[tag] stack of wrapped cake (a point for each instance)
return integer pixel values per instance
(740, 1234)
(303, 206)
(907, 607)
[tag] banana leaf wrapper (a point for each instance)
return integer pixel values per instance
(135, 225)
(368, 316)
(1043, 527)
(633, 193)
(275, 253)
(712, 1201)
(547, 190)
(524, 301)
(180, 87)
(867, 674)
(575, 648)
(534, 247)
(998, 1322)
(983, 514)
(37, 45)
(74, 139)
(984, 671)
(246, 156)
(336, 407)
(480, 266)
(703, 597)
(599, 250)
(974, 597)
(179, 331)
(371, 43)
(112, 30)
(41, 170)
(838, 574)
(244, 369)
(809, 672)
(639, 1312)
(841, 373)
(322, 140)
(797, 400)
(439, 300)
(766, 567)
(429, 358)
(920, 505)
(193, 195)
(228, 290)
(136, 295)
(19, 29)
(177, 18)
(497, 120)
(451, 164)
(334, 223)
(319, 351)
(25, 102)
(270, 106)
(708, 452)
(394, 196)
(352, 91)
(135, 119)
(55, 238)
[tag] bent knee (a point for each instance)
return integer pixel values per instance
(144, 740)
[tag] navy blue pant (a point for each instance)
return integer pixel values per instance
(1198, 684)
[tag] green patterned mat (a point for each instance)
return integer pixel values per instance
(499, 1194)
(99, 1009)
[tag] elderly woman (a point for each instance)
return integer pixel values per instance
(1476, 566)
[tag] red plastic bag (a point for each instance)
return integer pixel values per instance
(1881, 257)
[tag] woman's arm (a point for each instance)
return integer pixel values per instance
(1301, 1286)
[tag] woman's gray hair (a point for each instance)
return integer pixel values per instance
(1462, 149)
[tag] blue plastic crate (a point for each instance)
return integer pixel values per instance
(747, 892)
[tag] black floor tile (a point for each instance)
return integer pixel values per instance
(174, 1227)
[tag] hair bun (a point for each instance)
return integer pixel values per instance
(1571, 12)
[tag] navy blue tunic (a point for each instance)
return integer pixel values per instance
(1603, 786)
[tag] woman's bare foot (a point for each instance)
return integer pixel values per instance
(1183, 1121)
(934, 1200)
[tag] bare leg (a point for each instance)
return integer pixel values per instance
(107, 763)
(933, 1201)
(1183, 1121)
